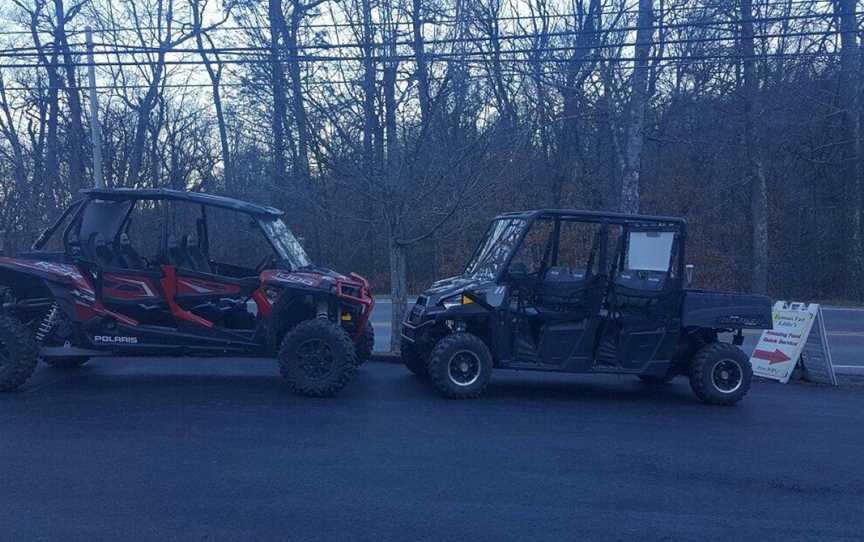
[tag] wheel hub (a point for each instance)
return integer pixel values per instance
(727, 376)
(316, 358)
(464, 368)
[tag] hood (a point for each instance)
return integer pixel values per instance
(450, 286)
(54, 271)
(310, 277)
(453, 286)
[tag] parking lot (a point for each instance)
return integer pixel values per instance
(217, 449)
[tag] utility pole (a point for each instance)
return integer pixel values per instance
(95, 129)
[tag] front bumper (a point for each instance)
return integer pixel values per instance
(411, 332)
(419, 317)
(357, 292)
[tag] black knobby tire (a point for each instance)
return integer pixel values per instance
(18, 357)
(414, 360)
(365, 345)
(720, 374)
(317, 358)
(460, 366)
(66, 363)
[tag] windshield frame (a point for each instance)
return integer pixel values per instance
(71, 213)
(284, 242)
(490, 238)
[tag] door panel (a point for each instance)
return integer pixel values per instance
(643, 298)
(568, 344)
(122, 286)
(221, 300)
(137, 294)
(559, 319)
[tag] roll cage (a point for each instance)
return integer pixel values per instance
(118, 204)
(627, 222)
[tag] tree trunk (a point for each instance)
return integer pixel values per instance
(52, 156)
(753, 150)
(370, 117)
(75, 141)
(215, 78)
(49, 171)
(301, 168)
(274, 10)
(502, 94)
(398, 288)
(422, 74)
(10, 132)
(636, 111)
(851, 136)
(144, 110)
(223, 135)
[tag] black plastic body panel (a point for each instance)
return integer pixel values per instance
(726, 310)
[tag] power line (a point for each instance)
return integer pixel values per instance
(134, 49)
(675, 60)
(457, 58)
(468, 20)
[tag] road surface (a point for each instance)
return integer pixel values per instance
(217, 449)
(845, 332)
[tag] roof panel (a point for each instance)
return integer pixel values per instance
(120, 194)
(576, 214)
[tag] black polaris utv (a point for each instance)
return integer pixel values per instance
(164, 272)
(581, 292)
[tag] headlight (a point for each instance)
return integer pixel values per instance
(455, 301)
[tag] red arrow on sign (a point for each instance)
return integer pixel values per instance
(771, 357)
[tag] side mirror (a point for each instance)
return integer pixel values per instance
(517, 271)
(689, 271)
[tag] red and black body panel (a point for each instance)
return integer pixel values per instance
(351, 295)
(177, 311)
(116, 301)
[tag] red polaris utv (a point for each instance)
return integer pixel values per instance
(157, 272)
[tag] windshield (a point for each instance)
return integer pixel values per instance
(495, 248)
(649, 250)
(286, 245)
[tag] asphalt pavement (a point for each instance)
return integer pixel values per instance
(218, 449)
(845, 328)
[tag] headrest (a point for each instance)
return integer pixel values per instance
(559, 273)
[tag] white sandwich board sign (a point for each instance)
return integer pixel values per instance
(799, 333)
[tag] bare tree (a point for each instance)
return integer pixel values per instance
(76, 138)
(214, 67)
(851, 130)
(277, 74)
(753, 153)
(635, 120)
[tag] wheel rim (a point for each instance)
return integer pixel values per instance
(464, 368)
(315, 358)
(727, 376)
